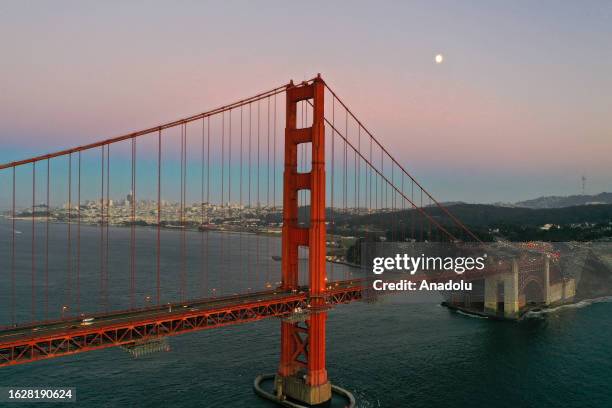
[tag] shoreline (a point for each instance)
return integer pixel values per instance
(141, 224)
(543, 309)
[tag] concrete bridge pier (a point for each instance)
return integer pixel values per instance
(508, 282)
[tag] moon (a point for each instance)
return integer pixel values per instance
(439, 59)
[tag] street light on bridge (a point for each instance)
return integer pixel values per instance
(64, 309)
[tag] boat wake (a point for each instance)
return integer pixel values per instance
(475, 316)
(578, 305)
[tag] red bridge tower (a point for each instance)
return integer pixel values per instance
(302, 374)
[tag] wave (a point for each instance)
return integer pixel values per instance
(471, 315)
(578, 305)
(9, 228)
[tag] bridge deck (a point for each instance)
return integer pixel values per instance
(70, 336)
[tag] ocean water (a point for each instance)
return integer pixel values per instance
(392, 353)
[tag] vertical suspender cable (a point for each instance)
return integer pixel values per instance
(355, 203)
(375, 188)
(413, 209)
(47, 244)
(393, 214)
(180, 220)
(33, 242)
(422, 221)
(345, 163)
(133, 226)
(250, 202)
(241, 232)
(183, 207)
(429, 224)
(274, 159)
(78, 265)
(229, 185)
(229, 190)
(383, 195)
(202, 257)
(257, 272)
(102, 161)
(367, 196)
(370, 168)
(107, 227)
(182, 215)
(223, 162)
(358, 168)
(223, 209)
(69, 228)
(207, 198)
(333, 174)
(13, 254)
(229, 163)
(346, 183)
(403, 227)
(268, 190)
(158, 243)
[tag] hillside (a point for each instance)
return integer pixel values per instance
(491, 215)
(566, 201)
(581, 223)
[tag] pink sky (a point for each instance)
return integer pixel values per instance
(519, 108)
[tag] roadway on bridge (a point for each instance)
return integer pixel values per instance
(100, 321)
(47, 329)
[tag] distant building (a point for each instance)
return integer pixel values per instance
(547, 227)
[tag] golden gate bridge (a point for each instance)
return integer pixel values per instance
(64, 293)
